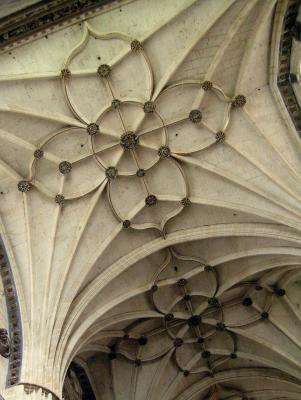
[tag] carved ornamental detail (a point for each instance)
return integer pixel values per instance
(131, 140)
(199, 323)
(10, 347)
(35, 20)
(4, 343)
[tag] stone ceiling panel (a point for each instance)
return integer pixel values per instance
(132, 139)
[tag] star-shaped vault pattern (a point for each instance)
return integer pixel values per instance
(150, 205)
(136, 142)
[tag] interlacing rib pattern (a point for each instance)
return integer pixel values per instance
(105, 144)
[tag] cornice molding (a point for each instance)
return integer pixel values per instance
(47, 16)
(14, 318)
(285, 79)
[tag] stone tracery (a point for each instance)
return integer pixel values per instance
(72, 297)
(130, 141)
(196, 326)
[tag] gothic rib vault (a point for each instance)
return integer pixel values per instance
(150, 206)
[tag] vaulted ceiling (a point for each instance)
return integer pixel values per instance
(150, 202)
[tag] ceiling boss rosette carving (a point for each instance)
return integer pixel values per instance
(133, 131)
(200, 323)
